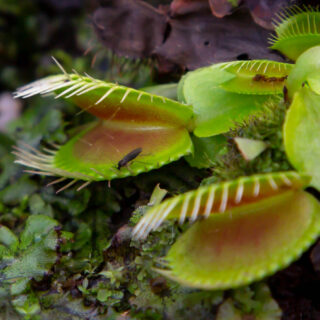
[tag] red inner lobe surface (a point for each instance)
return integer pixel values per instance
(246, 233)
(129, 111)
(249, 197)
(253, 234)
(109, 144)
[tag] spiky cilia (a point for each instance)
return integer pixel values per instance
(128, 119)
(297, 29)
(219, 198)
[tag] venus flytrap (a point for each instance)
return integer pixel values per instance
(218, 198)
(297, 30)
(218, 98)
(298, 37)
(302, 123)
(250, 227)
(225, 94)
(257, 77)
(128, 119)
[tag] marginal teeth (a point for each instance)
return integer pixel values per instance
(92, 87)
(154, 220)
(107, 94)
(67, 186)
(239, 193)
(210, 202)
(140, 95)
(60, 66)
(41, 87)
(224, 200)
(56, 181)
(43, 163)
(185, 208)
(59, 86)
(138, 231)
(166, 213)
(190, 204)
(196, 206)
(79, 90)
(84, 185)
(125, 95)
(69, 89)
(285, 180)
(256, 188)
(272, 183)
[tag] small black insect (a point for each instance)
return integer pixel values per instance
(129, 157)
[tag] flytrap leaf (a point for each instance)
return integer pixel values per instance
(245, 245)
(255, 225)
(216, 109)
(110, 101)
(220, 198)
(96, 153)
(256, 76)
(296, 31)
(207, 151)
(137, 132)
(305, 71)
(301, 134)
(164, 90)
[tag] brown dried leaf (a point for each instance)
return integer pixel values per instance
(263, 11)
(221, 8)
(181, 7)
(200, 39)
(186, 41)
(129, 27)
